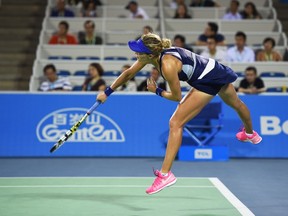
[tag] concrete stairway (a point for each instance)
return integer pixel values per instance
(20, 26)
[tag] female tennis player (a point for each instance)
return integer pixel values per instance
(206, 76)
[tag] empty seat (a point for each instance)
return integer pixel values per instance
(63, 73)
(117, 58)
(274, 89)
(240, 74)
(88, 58)
(77, 88)
(272, 74)
(143, 74)
(81, 73)
(59, 57)
(111, 73)
(185, 88)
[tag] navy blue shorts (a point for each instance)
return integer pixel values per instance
(212, 82)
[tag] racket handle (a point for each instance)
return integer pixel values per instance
(95, 105)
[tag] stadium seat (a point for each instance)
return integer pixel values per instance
(206, 124)
(240, 74)
(63, 73)
(77, 88)
(81, 73)
(111, 73)
(185, 88)
(59, 58)
(274, 89)
(117, 58)
(143, 74)
(272, 74)
(88, 58)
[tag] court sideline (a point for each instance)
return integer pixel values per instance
(261, 184)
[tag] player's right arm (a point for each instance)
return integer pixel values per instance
(123, 78)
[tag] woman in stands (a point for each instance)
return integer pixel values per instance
(206, 76)
(94, 82)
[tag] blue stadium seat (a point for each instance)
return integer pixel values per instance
(134, 58)
(63, 73)
(206, 124)
(59, 57)
(116, 58)
(240, 74)
(274, 89)
(77, 88)
(272, 74)
(185, 88)
(111, 73)
(143, 74)
(88, 58)
(81, 73)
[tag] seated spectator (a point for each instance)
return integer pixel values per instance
(60, 10)
(62, 36)
(212, 51)
(155, 74)
(180, 41)
(182, 12)
(233, 13)
(174, 3)
(211, 30)
(240, 52)
(94, 82)
(54, 83)
(250, 11)
(203, 3)
(268, 54)
(285, 55)
(251, 84)
(131, 85)
(89, 36)
(89, 9)
(79, 3)
(145, 30)
(136, 11)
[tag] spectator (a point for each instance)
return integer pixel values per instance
(211, 30)
(89, 36)
(180, 41)
(94, 82)
(251, 84)
(54, 83)
(145, 30)
(212, 51)
(89, 9)
(136, 11)
(203, 3)
(250, 11)
(156, 76)
(60, 10)
(131, 85)
(233, 13)
(182, 12)
(268, 54)
(174, 3)
(240, 52)
(62, 36)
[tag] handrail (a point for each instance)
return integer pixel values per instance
(162, 18)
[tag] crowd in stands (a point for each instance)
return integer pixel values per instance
(212, 41)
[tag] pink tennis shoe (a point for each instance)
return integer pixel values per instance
(254, 138)
(161, 182)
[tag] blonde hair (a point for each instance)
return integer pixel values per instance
(155, 43)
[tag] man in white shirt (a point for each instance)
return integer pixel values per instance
(54, 83)
(233, 13)
(212, 51)
(240, 52)
(136, 11)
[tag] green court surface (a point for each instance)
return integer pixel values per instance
(116, 196)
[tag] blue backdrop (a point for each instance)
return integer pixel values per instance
(126, 125)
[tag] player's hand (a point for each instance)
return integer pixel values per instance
(151, 85)
(101, 97)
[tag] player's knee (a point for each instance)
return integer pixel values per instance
(174, 124)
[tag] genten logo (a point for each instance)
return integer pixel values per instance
(203, 154)
(271, 125)
(97, 127)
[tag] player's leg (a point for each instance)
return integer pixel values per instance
(188, 108)
(230, 97)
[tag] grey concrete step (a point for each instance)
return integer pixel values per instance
(19, 31)
(21, 10)
(21, 2)
(12, 85)
(17, 57)
(19, 22)
(8, 72)
(27, 49)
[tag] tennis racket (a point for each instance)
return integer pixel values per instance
(72, 130)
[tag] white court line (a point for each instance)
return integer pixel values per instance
(97, 186)
(231, 197)
(97, 177)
